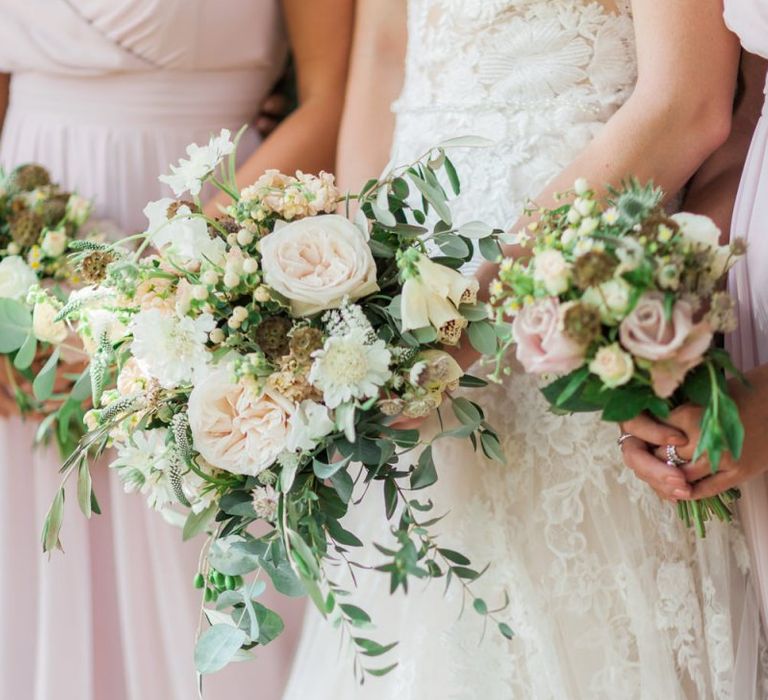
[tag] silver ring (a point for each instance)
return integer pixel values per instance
(623, 438)
(673, 458)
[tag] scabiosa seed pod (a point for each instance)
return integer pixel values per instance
(93, 267)
(581, 322)
(25, 227)
(272, 336)
(592, 269)
(28, 177)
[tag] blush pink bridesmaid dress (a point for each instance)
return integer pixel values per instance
(749, 280)
(107, 93)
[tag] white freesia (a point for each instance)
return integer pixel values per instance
(611, 298)
(308, 426)
(54, 243)
(432, 298)
(16, 278)
(350, 367)
(234, 428)
(189, 174)
(552, 271)
(704, 234)
(318, 262)
(171, 348)
(184, 237)
(614, 366)
(44, 327)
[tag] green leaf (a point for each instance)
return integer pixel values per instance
(452, 245)
(82, 388)
(465, 573)
(472, 382)
(84, 488)
(506, 630)
(217, 647)
(326, 471)
(483, 337)
(197, 522)
(733, 428)
(624, 405)
(52, 525)
(343, 485)
(480, 606)
(44, 382)
(466, 142)
(271, 625)
(453, 176)
(490, 249)
(303, 556)
(357, 616)
(492, 448)
(425, 473)
(234, 556)
(475, 230)
(15, 325)
(340, 535)
(390, 498)
(433, 196)
(383, 216)
(425, 336)
(26, 354)
(577, 379)
(454, 557)
(476, 312)
(372, 648)
(467, 412)
(381, 671)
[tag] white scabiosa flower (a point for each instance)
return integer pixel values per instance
(350, 367)
(189, 174)
(265, 501)
(142, 464)
(169, 348)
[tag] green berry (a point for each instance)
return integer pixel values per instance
(199, 581)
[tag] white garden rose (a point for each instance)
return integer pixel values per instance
(704, 234)
(612, 299)
(235, 429)
(308, 425)
(16, 278)
(54, 243)
(318, 262)
(614, 366)
(44, 327)
(552, 271)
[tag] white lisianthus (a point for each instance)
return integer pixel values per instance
(432, 298)
(318, 262)
(614, 366)
(44, 327)
(184, 237)
(78, 209)
(169, 348)
(611, 298)
(350, 367)
(54, 243)
(141, 463)
(703, 234)
(308, 426)
(552, 271)
(16, 278)
(236, 429)
(189, 174)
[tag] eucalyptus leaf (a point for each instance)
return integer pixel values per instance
(475, 230)
(326, 471)
(303, 555)
(467, 412)
(84, 488)
(433, 196)
(466, 142)
(490, 249)
(197, 522)
(483, 337)
(26, 354)
(452, 245)
(425, 473)
(42, 386)
(384, 216)
(15, 325)
(52, 524)
(217, 646)
(234, 556)
(343, 484)
(492, 448)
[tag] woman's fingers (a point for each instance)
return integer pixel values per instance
(693, 471)
(653, 432)
(714, 485)
(668, 482)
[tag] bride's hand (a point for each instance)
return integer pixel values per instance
(647, 435)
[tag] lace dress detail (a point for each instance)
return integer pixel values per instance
(610, 597)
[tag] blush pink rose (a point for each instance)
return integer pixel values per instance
(674, 345)
(542, 345)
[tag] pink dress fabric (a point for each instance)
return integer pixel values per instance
(749, 279)
(107, 93)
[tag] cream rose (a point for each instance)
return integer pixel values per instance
(552, 271)
(44, 327)
(613, 366)
(54, 243)
(611, 299)
(703, 234)
(16, 277)
(235, 429)
(132, 378)
(318, 262)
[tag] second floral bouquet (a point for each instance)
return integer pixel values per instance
(251, 367)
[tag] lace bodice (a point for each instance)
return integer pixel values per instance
(538, 77)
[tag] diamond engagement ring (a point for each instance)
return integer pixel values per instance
(623, 438)
(674, 459)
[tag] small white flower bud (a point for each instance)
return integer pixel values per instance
(231, 279)
(250, 265)
(584, 206)
(232, 239)
(209, 277)
(244, 237)
(240, 313)
(573, 216)
(199, 292)
(581, 186)
(262, 295)
(217, 336)
(233, 323)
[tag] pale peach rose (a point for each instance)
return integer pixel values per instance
(155, 293)
(235, 429)
(542, 345)
(132, 378)
(674, 345)
(318, 262)
(45, 328)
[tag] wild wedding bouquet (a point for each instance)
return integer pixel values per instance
(249, 371)
(619, 304)
(37, 222)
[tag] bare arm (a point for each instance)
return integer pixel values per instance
(320, 34)
(5, 82)
(713, 189)
(680, 111)
(375, 80)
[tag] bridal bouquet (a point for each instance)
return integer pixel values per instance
(37, 222)
(621, 303)
(249, 370)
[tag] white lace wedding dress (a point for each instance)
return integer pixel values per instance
(610, 597)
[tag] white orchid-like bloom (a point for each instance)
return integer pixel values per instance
(189, 174)
(432, 297)
(308, 426)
